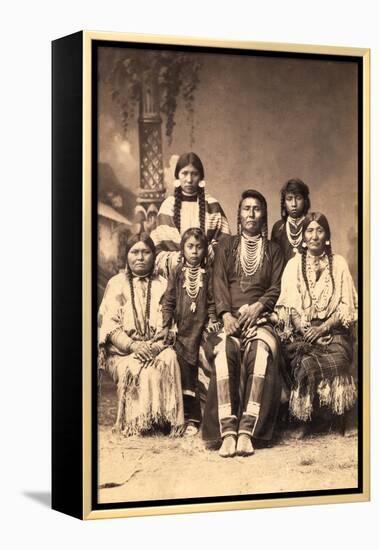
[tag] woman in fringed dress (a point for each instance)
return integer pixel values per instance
(317, 310)
(191, 206)
(146, 371)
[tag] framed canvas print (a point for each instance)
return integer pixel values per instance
(210, 275)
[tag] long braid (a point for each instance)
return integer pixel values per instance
(236, 245)
(283, 209)
(131, 288)
(264, 242)
(202, 208)
(177, 206)
(239, 229)
(146, 328)
(147, 311)
(304, 269)
(329, 253)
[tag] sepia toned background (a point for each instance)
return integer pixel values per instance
(255, 122)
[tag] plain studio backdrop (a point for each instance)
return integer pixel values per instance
(28, 29)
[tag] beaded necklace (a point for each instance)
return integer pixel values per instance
(315, 266)
(294, 229)
(144, 333)
(193, 281)
(251, 254)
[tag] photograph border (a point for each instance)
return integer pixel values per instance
(89, 253)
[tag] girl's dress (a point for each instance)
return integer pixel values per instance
(190, 314)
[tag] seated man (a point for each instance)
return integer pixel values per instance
(245, 387)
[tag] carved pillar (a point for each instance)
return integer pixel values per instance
(152, 190)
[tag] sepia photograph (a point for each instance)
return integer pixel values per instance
(228, 186)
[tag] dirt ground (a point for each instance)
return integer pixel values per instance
(162, 467)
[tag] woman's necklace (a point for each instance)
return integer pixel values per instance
(251, 254)
(294, 229)
(193, 281)
(315, 266)
(144, 332)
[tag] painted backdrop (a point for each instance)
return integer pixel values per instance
(256, 122)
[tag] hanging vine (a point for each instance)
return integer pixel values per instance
(176, 73)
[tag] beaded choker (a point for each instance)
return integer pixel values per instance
(189, 198)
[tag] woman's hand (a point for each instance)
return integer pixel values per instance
(325, 340)
(231, 324)
(142, 351)
(156, 348)
(311, 334)
(249, 315)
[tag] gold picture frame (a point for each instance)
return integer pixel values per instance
(74, 165)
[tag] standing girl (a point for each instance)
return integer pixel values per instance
(294, 206)
(191, 206)
(188, 302)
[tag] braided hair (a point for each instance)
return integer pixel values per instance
(185, 160)
(321, 220)
(177, 206)
(298, 187)
(134, 239)
(251, 193)
(202, 208)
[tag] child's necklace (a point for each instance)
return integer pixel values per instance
(193, 281)
(294, 230)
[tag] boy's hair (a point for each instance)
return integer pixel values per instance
(296, 186)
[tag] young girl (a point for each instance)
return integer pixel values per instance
(188, 302)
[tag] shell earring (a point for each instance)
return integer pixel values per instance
(304, 244)
(176, 183)
(202, 184)
(327, 243)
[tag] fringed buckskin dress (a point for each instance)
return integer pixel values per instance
(150, 394)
